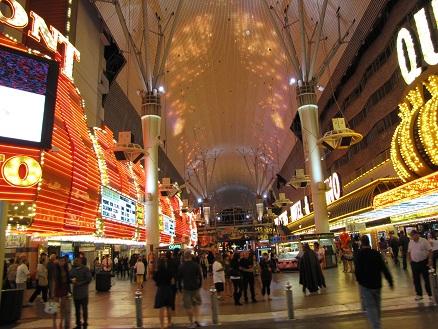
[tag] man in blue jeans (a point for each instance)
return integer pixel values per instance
(369, 268)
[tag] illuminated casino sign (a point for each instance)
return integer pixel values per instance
(301, 208)
(50, 37)
(118, 207)
(20, 171)
(411, 45)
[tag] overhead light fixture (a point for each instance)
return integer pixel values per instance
(199, 200)
(161, 89)
(292, 81)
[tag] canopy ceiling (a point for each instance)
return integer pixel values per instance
(226, 80)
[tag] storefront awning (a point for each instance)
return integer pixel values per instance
(356, 202)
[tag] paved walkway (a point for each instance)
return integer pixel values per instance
(116, 308)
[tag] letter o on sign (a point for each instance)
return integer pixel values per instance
(31, 176)
(336, 186)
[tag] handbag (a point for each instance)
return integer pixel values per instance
(51, 307)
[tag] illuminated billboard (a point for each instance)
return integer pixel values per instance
(118, 207)
(27, 91)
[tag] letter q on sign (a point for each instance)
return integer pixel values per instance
(14, 175)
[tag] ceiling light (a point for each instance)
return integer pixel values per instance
(320, 88)
(247, 32)
(264, 196)
(161, 89)
(292, 81)
(199, 200)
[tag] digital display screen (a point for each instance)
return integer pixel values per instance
(27, 98)
(168, 225)
(117, 207)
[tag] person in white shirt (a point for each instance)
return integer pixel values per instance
(139, 270)
(218, 275)
(22, 273)
(420, 256)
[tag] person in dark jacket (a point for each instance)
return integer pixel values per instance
(403, 242)
(236, 278)
(369, 268)
(81, 277)
(191, 276)
(52, 270)
(266, 275)
(62, 289)
(246, 267)
(311, 276)
(164, 297)
(394, 245)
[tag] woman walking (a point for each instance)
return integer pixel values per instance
(42, 280)
(311, 277)
(236, 278)
(164, 300)
(204, 265)
(266, 275)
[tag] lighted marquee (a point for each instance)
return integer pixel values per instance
(66, 185)
(414, 151)
(117, 207)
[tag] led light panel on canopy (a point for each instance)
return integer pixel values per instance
(27, 92)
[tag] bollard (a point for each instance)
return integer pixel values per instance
(214, 306)
(289, 301)
(138, 309)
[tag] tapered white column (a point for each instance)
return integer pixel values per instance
(308, 111)
(151, 124)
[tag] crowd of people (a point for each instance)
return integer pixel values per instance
(236, 274)
(57, 280)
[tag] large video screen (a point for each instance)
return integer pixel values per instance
(118, 207)
(27, 98)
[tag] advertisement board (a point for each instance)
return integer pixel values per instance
(117, 207)
(27, 91)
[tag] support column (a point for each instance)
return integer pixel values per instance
(151, 124)
(308, 111)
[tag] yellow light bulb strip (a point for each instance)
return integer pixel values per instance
(428, 122)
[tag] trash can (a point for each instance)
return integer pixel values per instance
(103, 281)
(10, 306)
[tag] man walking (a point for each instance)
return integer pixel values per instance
(246, 267)
(139, 269)
(369, 266)
(191, 275)
(404, 243)
(80, 277)
(420, 256)
(394, 245)
(22, 273)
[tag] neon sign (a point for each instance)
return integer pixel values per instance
(301, 208)
(407, 43)
(21, 171)
(51, 37)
